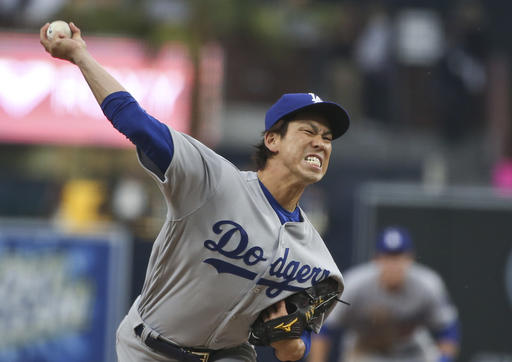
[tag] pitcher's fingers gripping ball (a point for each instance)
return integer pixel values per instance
(58, 27)
(306, 310)
(60, 45)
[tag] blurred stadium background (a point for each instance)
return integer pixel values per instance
(427, 84)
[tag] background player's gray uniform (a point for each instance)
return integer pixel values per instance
(383, 326)
(221, 257)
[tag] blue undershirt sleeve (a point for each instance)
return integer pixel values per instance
(450, 332)
(306, 338)
(151, 136)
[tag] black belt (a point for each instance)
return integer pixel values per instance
(172, 350)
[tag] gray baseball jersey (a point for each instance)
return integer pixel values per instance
(392, 323)
(222, 255)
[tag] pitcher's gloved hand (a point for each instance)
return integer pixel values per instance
(304, 309)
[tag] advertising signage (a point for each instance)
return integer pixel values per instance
(63, 295)
(46, 100)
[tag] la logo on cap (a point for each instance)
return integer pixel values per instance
(393, 239)
(315, 98)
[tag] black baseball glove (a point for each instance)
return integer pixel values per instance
(305, 311)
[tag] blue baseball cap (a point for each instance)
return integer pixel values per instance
(394, 240)
(293, 102)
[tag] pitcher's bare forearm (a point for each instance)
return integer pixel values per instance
(99, 80)
(74, 50)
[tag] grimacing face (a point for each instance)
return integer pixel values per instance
(306, 148)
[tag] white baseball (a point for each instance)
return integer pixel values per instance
(58, 27)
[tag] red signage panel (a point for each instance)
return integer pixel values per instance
(46, 100)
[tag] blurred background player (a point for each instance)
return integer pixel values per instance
(394, 303)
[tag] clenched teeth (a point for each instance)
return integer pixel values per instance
(314, 161)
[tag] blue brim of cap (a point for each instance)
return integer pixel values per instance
(337, 117)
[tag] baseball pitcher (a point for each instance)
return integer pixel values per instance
(237, 262)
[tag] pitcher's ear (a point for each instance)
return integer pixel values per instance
(272, 140)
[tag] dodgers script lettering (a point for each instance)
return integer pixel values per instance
(233, 243)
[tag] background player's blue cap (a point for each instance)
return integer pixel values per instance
(394, 240)
(293, 102)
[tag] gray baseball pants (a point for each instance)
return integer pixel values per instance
(130, 348)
